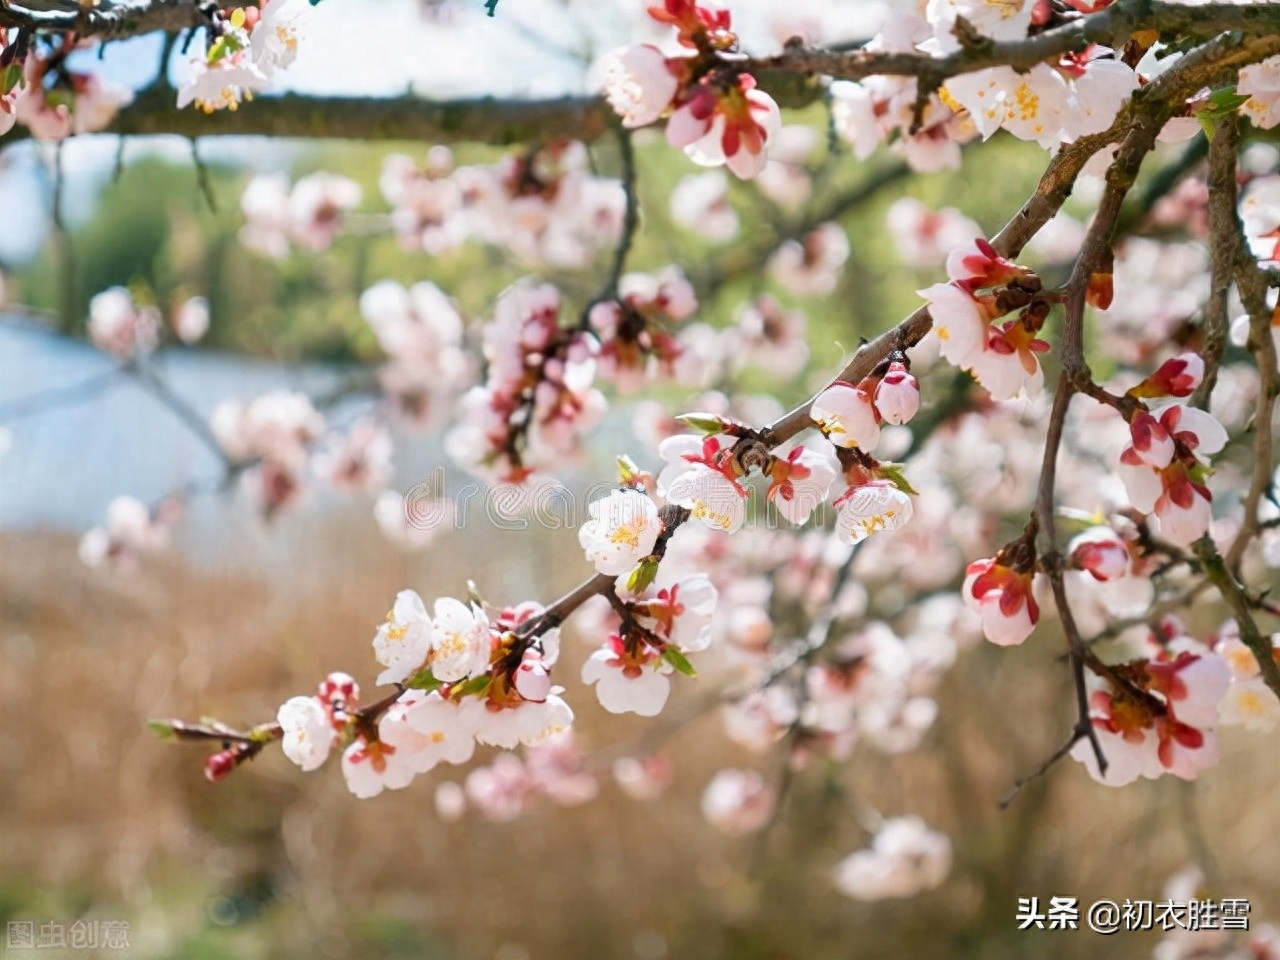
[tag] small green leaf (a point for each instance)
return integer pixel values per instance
(708, 423)
(893, 473)
(679, 661)
(224, 46)
(424, 679)
(628, 472)
(472, 687)
(642, 575)
(162, 729)
(10, 77)
(1218, 106)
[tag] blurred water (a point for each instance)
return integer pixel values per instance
(68, 460)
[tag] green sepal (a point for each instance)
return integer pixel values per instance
(679, 661)
(628, 472)
(424, 679)
(472, 687)
(1219, 105)
(642, 575)
(708, 423)
(162, 729)
(893, 473)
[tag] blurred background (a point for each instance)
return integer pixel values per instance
(99, 820)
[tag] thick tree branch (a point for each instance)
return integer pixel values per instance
(1110, 27)
(476, 120)
(1224, 244)
(107, 19)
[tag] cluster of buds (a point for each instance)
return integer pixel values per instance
(984, 287)
(716, 114)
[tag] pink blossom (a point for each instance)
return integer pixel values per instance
(737, 802)
(1003, 598)
(639, 84)
(897, 397)
(847, 416)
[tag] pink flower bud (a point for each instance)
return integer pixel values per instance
(1177, 377)
(533, 681)
(1101, 552)
(220, 765)
(339, 684)
(1151, 441)
(898, 395)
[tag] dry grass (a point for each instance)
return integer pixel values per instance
(97, 817)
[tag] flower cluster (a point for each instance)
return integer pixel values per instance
(310, 214)
(537, 399)
(983, 287)
(1156, 714)
(715, 112)
(543, 206)
(248, 46)
(421, 332)
(905, 858)
(48, 98)
(273, 433)
(635, 330)
(122, 327)
(465, 678)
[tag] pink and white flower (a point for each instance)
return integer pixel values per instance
(627, 683)
(846, 415)
(905, 858)
(897, 398)
(461, 643)
(1161, 481)
(737, 802)
(703, 476)
(639, 83)
(700, 202)
(730, 126)
(307, 734)
(403, 642)
(867, 508)
(121, 327)
(810, 266)
(1003, 598)
(799, 482)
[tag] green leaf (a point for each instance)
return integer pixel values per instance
(893, 473)
(424, 679)
(10, 77)
(708, 423)
(679, 661)
(1218, 106)
(224, 46)
(473, 687)
(628, 472)
(162, 729)
(642, 575)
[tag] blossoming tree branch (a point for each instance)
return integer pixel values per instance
(1132, 499)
